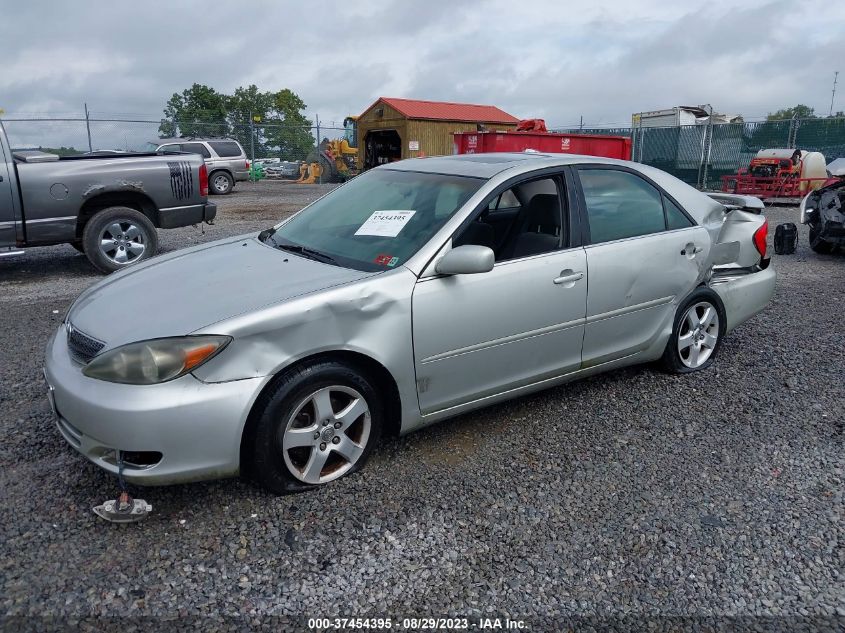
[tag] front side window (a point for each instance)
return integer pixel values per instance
(376, 221)
(620, 205)
(226, 149)
(522, 221)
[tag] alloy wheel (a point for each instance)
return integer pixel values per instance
(122, 242)
(698, 334)
(221, 184)
(326, 434)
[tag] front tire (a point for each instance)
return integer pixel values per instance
(220, 183)
(817, 244)
(118, 237)
(318, 423)
(697, 333)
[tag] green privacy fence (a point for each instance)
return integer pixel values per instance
(701, 154)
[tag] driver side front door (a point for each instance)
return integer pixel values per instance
(8, 224)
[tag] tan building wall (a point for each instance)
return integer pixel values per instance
(432, 137)
(435, 137)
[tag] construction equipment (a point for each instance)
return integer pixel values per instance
(779, 173)
(333, 160)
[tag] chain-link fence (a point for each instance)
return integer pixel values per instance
(75, 136)
(701, 154)
(697, 154)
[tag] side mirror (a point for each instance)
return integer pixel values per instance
(466, 260)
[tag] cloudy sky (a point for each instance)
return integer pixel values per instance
(552, 59)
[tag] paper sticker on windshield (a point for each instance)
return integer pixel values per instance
(385, 223)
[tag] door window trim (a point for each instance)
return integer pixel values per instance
(582, 203)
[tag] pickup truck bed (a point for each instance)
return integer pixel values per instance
(108, 206)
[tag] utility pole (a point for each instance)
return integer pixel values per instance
(252, 143)
(319, 162)
(581, 125)
(833, 92)
(88, 127)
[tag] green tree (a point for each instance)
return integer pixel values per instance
(799, 111)
(250, 104)
(279, 126)
(196, 111)
(291, 137)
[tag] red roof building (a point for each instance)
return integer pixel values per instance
(446, 111)
(392, 129)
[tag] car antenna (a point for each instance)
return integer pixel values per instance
(123, 509)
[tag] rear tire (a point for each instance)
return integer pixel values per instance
(220, 183)
(118, 237)
(817, 244)
(302, 439)
(697, 333)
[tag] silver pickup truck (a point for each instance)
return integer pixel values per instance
(108, 207)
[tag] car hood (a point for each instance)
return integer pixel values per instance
(188, 290)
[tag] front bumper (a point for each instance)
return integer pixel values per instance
(195, 426)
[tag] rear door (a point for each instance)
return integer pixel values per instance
(7, 207)
(644, 255)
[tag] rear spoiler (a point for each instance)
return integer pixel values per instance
(733, 201)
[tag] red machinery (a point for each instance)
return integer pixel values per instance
(778, 173)
(539, 140)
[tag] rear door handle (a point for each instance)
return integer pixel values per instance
(568, 276)
(691, 249)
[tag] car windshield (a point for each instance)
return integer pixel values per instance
(151, 147)
(378, 220)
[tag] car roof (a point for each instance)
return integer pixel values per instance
(192, 139)
(488, 165)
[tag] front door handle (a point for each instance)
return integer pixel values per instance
(568, 276)
(691, 249)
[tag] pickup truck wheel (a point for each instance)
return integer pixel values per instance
(221, 183)
(118, 237)
(696, 333)
(318, 423)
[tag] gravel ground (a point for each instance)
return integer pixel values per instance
(633, 493)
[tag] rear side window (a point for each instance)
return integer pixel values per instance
(196, 148)
(620, 205)
(226, 149)
(675, 218)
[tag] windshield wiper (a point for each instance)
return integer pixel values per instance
(310, 253)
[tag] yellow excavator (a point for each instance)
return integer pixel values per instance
(333, 161)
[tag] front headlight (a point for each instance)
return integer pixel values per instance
(155, 361)
(803, 209)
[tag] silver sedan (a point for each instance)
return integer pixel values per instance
(415, 292)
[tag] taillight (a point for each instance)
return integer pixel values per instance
(246, 164)
(760, 236)
(203, 180)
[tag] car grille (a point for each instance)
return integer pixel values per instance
(82, 347)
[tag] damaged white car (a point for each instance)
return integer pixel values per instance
(823, 210)
(416, 291)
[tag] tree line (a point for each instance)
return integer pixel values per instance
(273, 122)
